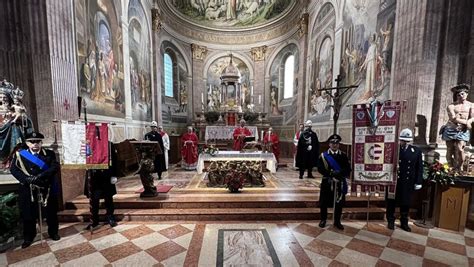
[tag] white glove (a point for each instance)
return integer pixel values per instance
(113, 180)
(310, 147)
(417, 186)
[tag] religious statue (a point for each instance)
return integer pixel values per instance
(14, 123)
(183, 99)
(455, 132)
(369, 65)
(274, 101)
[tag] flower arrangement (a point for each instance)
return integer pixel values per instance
(211, 150)
(234, 181)
(438, 172)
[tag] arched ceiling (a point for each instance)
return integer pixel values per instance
(230, 22)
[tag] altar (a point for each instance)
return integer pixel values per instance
(259, 156)
(226, 132)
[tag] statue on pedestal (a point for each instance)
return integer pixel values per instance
(455, 132)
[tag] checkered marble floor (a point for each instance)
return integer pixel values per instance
(252, 244)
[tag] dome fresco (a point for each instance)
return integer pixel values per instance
(231, 13)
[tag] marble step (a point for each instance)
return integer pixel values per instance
(132, 201)
(221, 214)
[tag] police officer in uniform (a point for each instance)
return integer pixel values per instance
(335, 167)
(100, 184)
(410, 177)
(154, 135)
(307, 150)
(35, 168)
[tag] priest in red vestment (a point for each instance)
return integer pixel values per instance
(272, 143)
(239, 135)
(189, 151)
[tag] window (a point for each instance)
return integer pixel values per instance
(168, 75)
(289, 77)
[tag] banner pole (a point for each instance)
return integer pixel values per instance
(368, 210)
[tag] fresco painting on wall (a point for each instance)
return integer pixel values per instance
(100, 59)
(140, 47)
(231, 13)
(283, 110)
(368, 46)
(321, 66)
(214, 87)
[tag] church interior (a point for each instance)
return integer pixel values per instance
(231, 85)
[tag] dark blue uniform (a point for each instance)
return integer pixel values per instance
(98, 186)
(410, 172)
(326, 197)
(21, 169)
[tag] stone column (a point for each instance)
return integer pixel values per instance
(302, 83)
(156, 26)
(194, 93)
(258, 56)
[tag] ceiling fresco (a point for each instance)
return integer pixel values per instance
(231, 14)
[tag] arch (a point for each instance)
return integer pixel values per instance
(237, 55)
(277, 51)
(338, 15)
(171, 42)
(146, 15)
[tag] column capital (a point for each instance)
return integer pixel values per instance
(258, 53)
(199, 52)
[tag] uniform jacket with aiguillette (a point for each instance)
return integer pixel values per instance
(410, 172)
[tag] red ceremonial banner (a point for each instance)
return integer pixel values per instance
(375, 145)
(97, 144)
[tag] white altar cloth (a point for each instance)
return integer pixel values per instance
(226, 132)
(241, 156)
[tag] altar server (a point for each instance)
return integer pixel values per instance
(272, 143)
(166, 143)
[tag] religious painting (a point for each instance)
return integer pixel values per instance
(321, 67)
(234, 94)
(100, 57)
(140, 61)
(284, 85)
(174, 84)
(232, 13)
(366, 58)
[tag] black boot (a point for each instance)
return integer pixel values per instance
(391, 225)
(322, 223)
(404, 222)
(338, 225)
(111, 221)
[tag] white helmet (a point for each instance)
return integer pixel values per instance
(154, 124)
(308, 123)
(406, 135)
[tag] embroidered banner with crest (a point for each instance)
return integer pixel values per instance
(85, 146)
(375, 145)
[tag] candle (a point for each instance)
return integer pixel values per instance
(261, 136)
(202, 98)
(251, 91)
(220, 97)
(259, 99)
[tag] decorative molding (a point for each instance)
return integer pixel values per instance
(156, 21)
(199, 52)
(258, 53)
(303, 25)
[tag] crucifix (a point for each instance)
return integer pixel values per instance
(337, 98)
